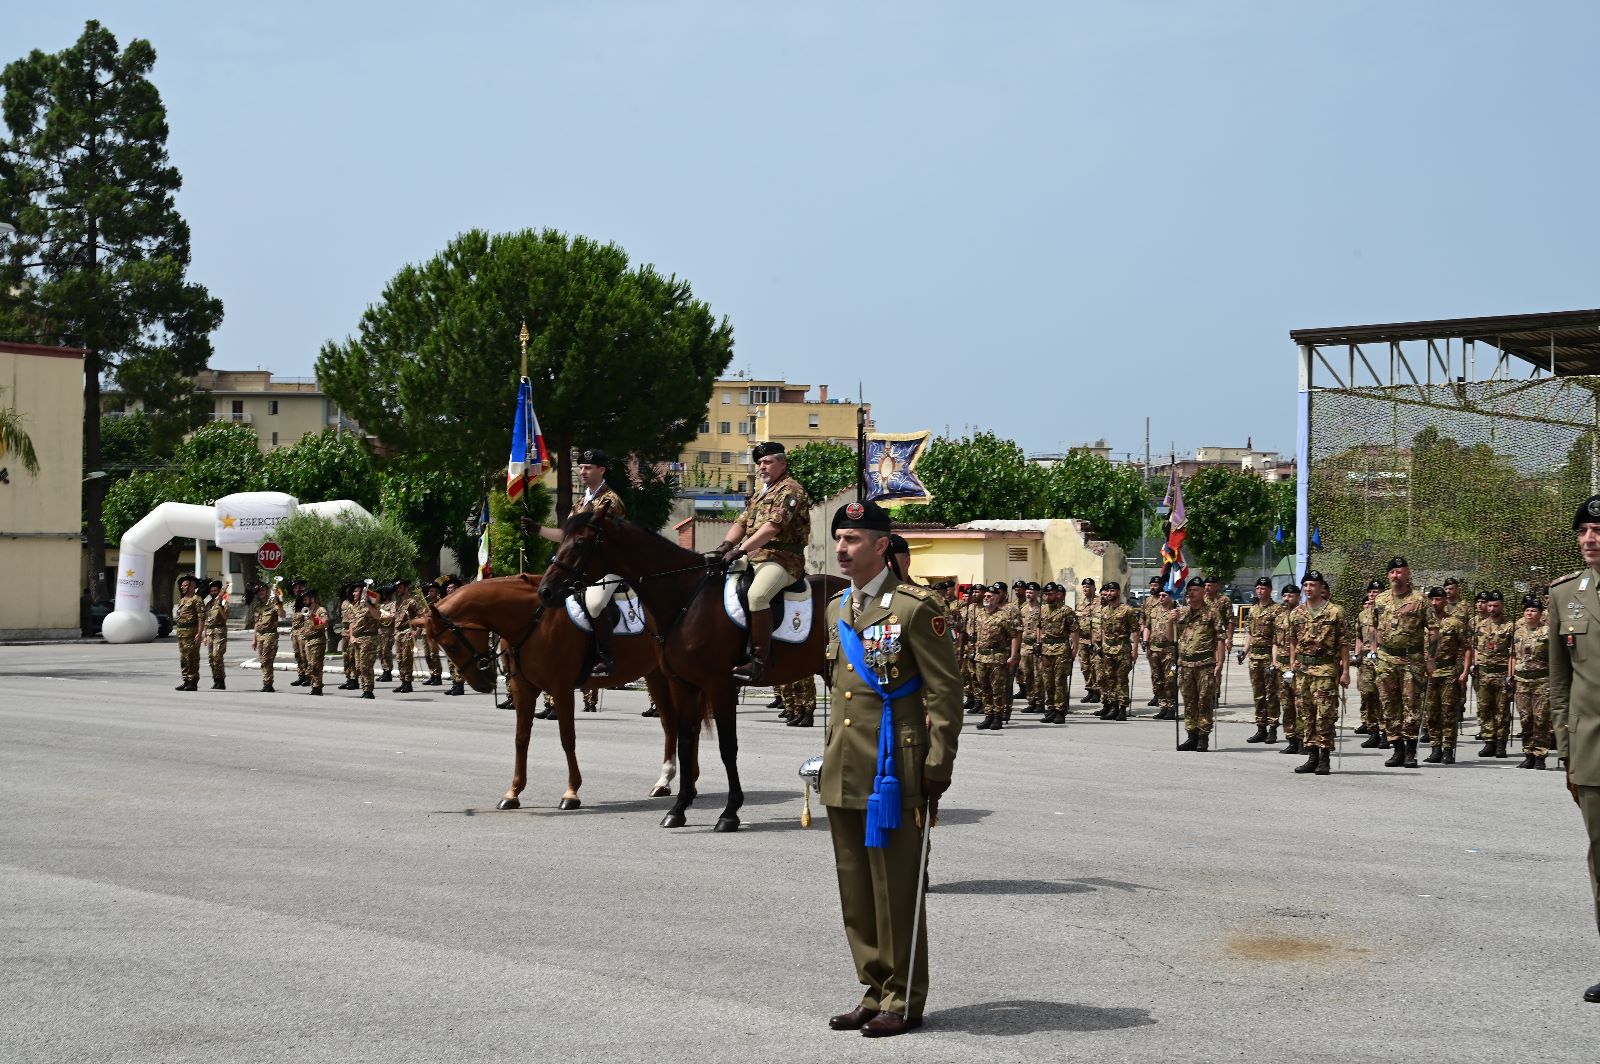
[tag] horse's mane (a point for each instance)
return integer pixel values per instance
(578, 521)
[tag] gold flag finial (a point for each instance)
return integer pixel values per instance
(522, 335)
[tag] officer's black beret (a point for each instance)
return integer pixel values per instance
(1495, 596)
(1482, 596)
(1263, 581)
(1291, 589)
(866, 515)
(943, 585)
(1436, 592)
(1376, 585)
(594, 456)
(761, 450)
(1397, 562)
(1532, 602)
(1316, 575)
(1194, 582)
(1155, 580)
(898, 545)
(999, 587)
(1110, 585)
(1451, 581)
(1588, 512)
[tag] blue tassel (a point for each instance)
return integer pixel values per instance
(889, 803)
(877, 838)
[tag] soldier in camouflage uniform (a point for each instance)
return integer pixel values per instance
(430, 649)
(1088, 656)
(386, 634)
(1288, 706)
(1402, 626)
(995, 636)
(1032, 663)
(1319, 659)
(1367, 678)
(315, 638)
(297, 633)
(187, 614)
(1452, 661)
(402, 612)
(799, 701)
(1265, 615)
(347, 616)
(262, 618)
(1491, 646)
(1119, 632)
(1145, 608)
(1058, 630)
(1200, 656)
(216, 637)
(965, 623)
(364, 636)
(1161, 651)
(1226, 617)
(1530, 678)
(1480, 605)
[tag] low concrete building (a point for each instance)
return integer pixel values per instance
(41, 515)
(1065, 551)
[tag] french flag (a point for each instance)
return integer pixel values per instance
(1174, 567)
(528, 454)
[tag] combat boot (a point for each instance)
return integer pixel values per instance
(1383, 741)
(1363, 730)
(368, 694)
(1191, 743)
(1293, 747)
(970, 703)
(1324, 761)
(433, 681)
(1311, 762)
(404, 688)
(266, 689)
(386, 678)
(786, 714)
(457, 688)
(1272, 735)
(315, 691)
(184, 686)
(1092, 696)
(1436, 756)
(1398, 757)
(1000, 720)
(546, 713)
(1411, 753)
(219, 685)
(348, 685)
(983, 725)
(509, 703)
(1371, 741)
(1489, 748)
(1450, 754)
(1527, 761)
(1260, 735)
(1120, 713)
(1538, 762)
(1154, 703)
(1422, 735)
(301, 682)
(801, 720)
(1205, 742)
(1500, 749)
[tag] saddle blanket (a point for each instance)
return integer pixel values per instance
(793, 623)
(630, 615)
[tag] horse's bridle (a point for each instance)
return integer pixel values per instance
(486, 660)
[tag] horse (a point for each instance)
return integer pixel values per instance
(544, 651)
(698, 644)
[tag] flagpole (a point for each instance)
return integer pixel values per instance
(861, 445)
(522, 545)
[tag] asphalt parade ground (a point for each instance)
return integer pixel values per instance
(234, 876)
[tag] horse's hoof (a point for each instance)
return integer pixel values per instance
(570, 803)
(661, 792)
(725, 824)
(673, 820)
(509, 803)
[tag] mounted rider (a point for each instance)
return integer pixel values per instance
(773, 532)
(592, 467)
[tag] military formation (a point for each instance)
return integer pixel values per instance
(372, 623)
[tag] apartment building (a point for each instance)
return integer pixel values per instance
(281, 411)
(744, 411)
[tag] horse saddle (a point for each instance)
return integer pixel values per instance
(627, 615)
(791, 610)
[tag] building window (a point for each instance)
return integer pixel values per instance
(727, 398)
(1016, 554)
(274, 439)
(743, 486)
(724, 427)
(744, 428)
(727, 456)
(238, 406)
(763, 395)
(703, 457)
(705, 426)
(816, 421)
(272, 408)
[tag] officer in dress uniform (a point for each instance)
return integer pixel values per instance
(1574, 685)
(897, 692)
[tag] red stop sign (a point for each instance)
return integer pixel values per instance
(270, 556)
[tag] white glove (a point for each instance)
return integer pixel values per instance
(1288, 674)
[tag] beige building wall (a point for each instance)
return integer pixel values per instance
(41, 515)
(282, 412)
(744, 412)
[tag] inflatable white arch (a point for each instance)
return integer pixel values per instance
(237, 523)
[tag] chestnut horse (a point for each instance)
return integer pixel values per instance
(545, 651)
(698, 644)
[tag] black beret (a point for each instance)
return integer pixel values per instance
(865, 515)
(1033, 585)
(1376, 585)
(1588, 512)
(1495, 596)
(1111, 585)
(1018, 583)
(898, 545)
(998, 587)
(943, 585)
(761, 450)
(1397, 562)
(1208, 580)
(1087, 581)
(1155, 580)
(1451, 581)
(213, 583)
(1291, 589)
(1194, 582)
(1053, 586)
(594, 456)
(1263, 581)
(1532, 602)
(1314, 574)
(402, 580)
(1482, 596)
(1436, 592)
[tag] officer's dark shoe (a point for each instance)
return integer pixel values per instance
(1489, 748)
(1205, 742)
(889, 1024)
(1592, 994)
(1450, 755)
(405, 688)
(1538, 762)
(801, 720)
(1363, 730)
(386, 678)
(433, 681)
(368, 694)
(1398, 757)
(1325, 761)
(1436, 756)
(316, 691)
(1293, 747)
(1500, 749)
(853, 1020)
(1260, 735)
(651, 711)
(1411, 754)
(1526, 762)
(457, 689)
(1191, 743)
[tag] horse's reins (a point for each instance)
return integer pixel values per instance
(486, 658)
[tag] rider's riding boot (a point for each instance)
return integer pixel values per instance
(604, 666)
(760, 641)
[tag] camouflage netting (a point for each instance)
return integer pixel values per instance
(1477, 481)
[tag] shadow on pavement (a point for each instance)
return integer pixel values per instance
(1009, 886)
(1003, 1018)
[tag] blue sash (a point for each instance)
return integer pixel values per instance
(883, 805)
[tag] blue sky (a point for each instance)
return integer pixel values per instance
(1050, 220)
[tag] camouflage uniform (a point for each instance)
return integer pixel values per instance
(1402, 624)
(1288, 705)
(1088, 650)
(1162, 654)
(1118, 627)
(1199, 631)
(352, 658)
(1317, 637)
(315, 641)
(1056, 627)
(406, 610)
(1532, 649)
(217, 638)
(1032, 664)
(800, 697)
(1264, 680)
(386, 629)
(297, 639)
(963, 621)
(364, 634)
(186, 617)
(1451, 642)
(262, 617)
(1222, 606)
(1367, 678)
(992, 634)
(1492, 641)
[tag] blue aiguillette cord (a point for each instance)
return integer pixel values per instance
(883, 806)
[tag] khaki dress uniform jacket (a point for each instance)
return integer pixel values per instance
(1574, 692)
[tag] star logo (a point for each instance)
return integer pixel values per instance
(130, 574)
(228, 520)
